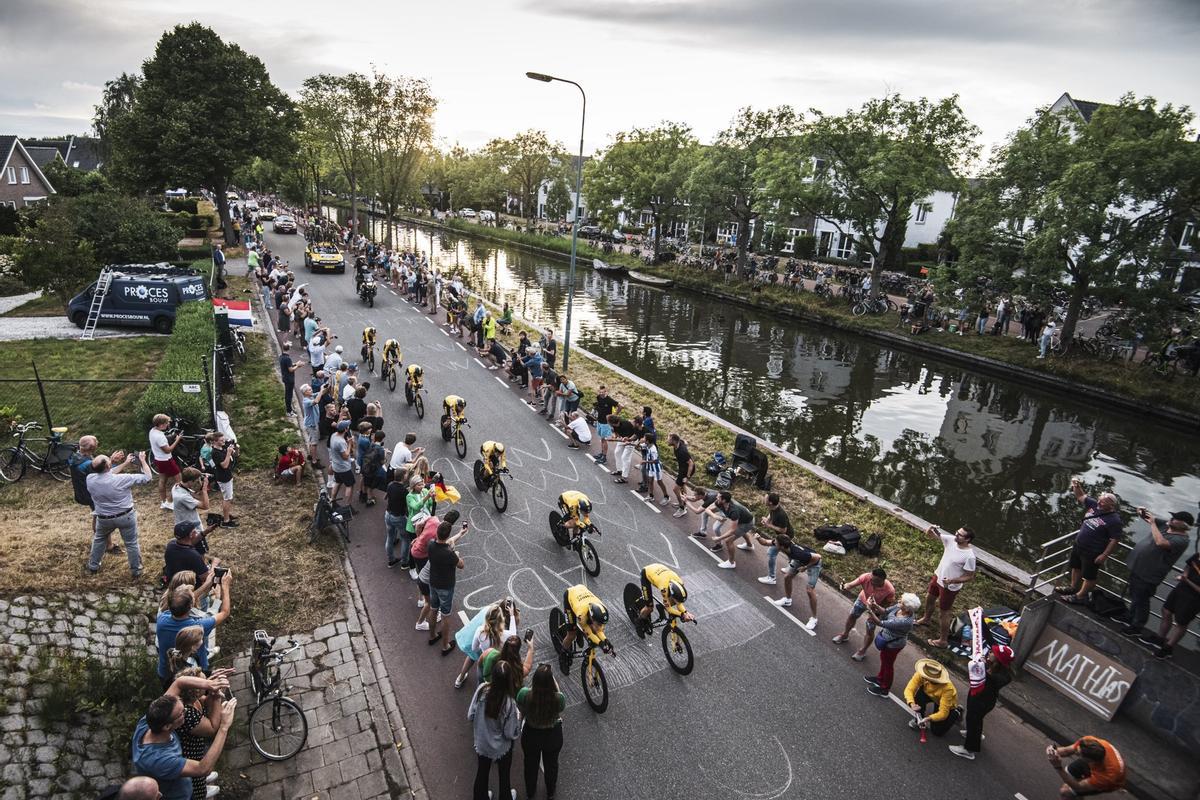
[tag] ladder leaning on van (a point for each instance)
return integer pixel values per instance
(93, 317)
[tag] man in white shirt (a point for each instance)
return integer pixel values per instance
(404, 453)
(334, 362)
(954, 570)
(577, 428)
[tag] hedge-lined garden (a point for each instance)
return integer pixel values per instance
(186, 354)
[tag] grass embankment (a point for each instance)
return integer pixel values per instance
(908, 555)
(48, 305)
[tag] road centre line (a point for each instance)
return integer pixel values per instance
(796, 620)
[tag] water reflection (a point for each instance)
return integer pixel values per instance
(937, 439)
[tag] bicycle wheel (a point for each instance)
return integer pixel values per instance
(632, 597)
(59, 470)
(408, 393)
(589, 558)
(420, 404)
(595, 685)
(891, 306)
(677, 649)
(391, 379)
(278, 729)
(371, 361)
(477, 474)
(12, 465)
(558, 530)
(499, 495)
(344, 530)
(859, 309)
(557, 620)
(460, 443)
(314, 530)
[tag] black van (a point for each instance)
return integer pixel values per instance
(141, 295)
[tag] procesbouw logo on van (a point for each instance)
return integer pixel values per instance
(142, 292)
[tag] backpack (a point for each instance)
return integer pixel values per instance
(850, 537)
(717, 464)
(871, 545)
(825, 533)
(725, 479)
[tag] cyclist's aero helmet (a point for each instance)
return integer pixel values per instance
(499, 448)
(460, 404)
(597, 614)
(416, 370)
(369, 334)
(676, 591)
(585, 506)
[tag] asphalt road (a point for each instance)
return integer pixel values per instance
(770, 711)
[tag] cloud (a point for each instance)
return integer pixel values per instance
(76, 86)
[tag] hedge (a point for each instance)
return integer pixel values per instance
(187, 204)
(191, 342)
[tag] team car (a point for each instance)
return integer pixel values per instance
(284, 224)
(324, 257)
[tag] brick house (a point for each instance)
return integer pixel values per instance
(21, 181)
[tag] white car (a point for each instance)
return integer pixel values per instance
(487, 216)
(252, 205)
(468, 213)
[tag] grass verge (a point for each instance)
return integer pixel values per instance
(45, 306)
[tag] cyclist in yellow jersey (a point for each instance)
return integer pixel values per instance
(391, 351)
(585, 614)
(453, 408)
(493, 457)
(670, 587)
(368, 341)
(576, 510)
(414, 376)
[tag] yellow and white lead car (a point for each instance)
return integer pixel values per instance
(324, 257)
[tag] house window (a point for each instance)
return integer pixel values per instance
(727, 233)
(12, 175)
(922, 212)
(1185, 241)
(826, 246)
(789, 245)
(24, 174)
(8, 203)
(845, 247)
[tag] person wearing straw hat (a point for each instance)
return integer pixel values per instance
(931, 683)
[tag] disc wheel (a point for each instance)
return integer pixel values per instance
(408, 393)
(557, 620)
(420, 405)
(460, 443)
(589, 558)
(595, 685)
(558, 530)
(633, 606)
(477, 474)
(677, 649)
(499, 495)
(12, 465)
(278, 729)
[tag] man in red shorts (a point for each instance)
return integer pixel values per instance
(164, 461)
(956, 568)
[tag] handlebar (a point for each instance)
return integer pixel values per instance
(25, 427)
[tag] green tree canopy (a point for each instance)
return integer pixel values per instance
(644, 168)
(70, 182)
(1082, 204)
(725, 178)
(526, 161)
(875, 164)
(336, 111)
(203, 109)
(401, 131)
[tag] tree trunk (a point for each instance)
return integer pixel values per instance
(223, 212)
(353, 205)
(654, 218)
(743, 241)
(1078, 292)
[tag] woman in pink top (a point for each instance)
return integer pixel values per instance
(872, 584)
(420, 557)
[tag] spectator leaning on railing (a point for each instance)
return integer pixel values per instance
(112, 500)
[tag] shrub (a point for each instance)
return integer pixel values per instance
(184, 204)
(805, 247)
(194, 253)
(190, 344)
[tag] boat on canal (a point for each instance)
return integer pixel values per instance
(606, 268)
(650, 280)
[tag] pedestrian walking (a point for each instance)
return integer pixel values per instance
(871, 585)
(112, 500)
(894, 623)
(955, 569)
(989, 674)
(541, 703)
(496, 725)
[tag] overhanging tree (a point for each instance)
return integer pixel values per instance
(336, 110)
(878, 161)
(644, 169)
(726, 178)
(526, 161)
(401, 131)
(1087, 204)
(204, 109)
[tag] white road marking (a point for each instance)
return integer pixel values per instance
(502, 381)
(463, 616)
(554, 428)
(480, 363)
(430, 321)
(599, 466)
(445, 333)
(460, 345)
(701, 544)
(796, 620)
(1020, 796)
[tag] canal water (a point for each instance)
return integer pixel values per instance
(954, 446)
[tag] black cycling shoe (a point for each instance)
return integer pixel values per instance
(564, 663)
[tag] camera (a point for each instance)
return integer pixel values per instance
(219, 573)
(528, 635)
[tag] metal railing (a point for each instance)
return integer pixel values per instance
(1046, 575)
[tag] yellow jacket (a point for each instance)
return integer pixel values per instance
(944, 694)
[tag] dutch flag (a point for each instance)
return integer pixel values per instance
(239, 311)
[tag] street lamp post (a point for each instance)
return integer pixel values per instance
(538, 76)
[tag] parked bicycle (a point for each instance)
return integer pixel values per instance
(880, 305)
(577, 542)
(278, 727)
(326, 515)
(54, 461)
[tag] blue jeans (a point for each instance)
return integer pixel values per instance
(125, 523)
(772, 553)
(1043, 346)
(981, 326)
(395, 535)
(1140, 594)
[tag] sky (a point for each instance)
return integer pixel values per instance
(641, 61)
